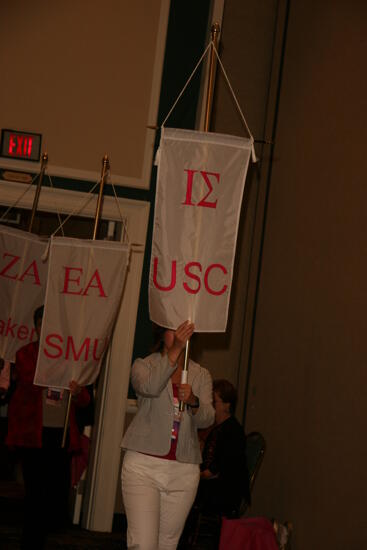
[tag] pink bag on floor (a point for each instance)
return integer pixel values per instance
(247, 534)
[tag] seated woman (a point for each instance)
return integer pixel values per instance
(224, 477)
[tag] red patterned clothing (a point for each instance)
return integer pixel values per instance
(25, 406)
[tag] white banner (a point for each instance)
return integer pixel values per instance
(22, 288)
(201, 178)
(84, 289)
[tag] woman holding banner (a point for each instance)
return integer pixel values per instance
(160, 472)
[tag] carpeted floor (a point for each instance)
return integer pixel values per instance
(76, 538)
(72, 538)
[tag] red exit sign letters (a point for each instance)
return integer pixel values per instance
(20, 145)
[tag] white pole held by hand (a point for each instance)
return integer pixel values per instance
(184, 373)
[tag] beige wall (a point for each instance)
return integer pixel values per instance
(308, 360)
(86, 75)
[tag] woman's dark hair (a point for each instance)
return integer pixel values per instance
(158, 338)
(227, 392)
(38, 314)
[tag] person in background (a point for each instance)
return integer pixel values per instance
(224, 477)
(4, 377)
(36, 417)
(160, 471)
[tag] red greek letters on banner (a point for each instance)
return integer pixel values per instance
(22, 287)
(84, 290)
(200, 184)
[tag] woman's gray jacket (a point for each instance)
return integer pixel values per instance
(150, 430)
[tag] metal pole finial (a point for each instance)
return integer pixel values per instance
(215, 30)
(44, 161)
(105, 169)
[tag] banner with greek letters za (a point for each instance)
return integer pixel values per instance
(200, 183)
(84, 290)
(22, 287)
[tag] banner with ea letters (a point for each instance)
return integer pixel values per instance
(84, 290)
(23, 276)
(200, 183)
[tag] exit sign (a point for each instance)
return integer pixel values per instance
(20, 145)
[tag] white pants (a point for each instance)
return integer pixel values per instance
(158, 495)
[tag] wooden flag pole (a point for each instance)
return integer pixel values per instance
(208, 109)
(44, 161)
(97, 218)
